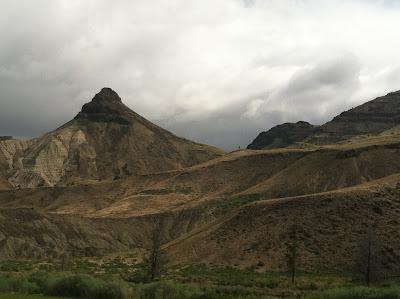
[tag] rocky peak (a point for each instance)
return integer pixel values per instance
(105, 95)
(106, 106)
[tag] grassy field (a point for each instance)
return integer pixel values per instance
(118, 278)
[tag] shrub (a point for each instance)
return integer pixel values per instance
(168, 290)
(140, 276)
(73, 286)
(40, 279)
(111, 290)
(9, 283)
(85, 286)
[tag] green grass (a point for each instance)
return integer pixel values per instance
(359, 292)
(72, 285)
(228, 276)
(227, 204)
(249, 277)
(25, 296)
(82, 278)
(174, 290)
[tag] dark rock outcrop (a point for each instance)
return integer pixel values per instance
(106, 107)
(4, 138)
(282, 135)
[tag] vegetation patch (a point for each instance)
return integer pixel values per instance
(26, 296)
(190, 281)
(85, 286)
(226, 204)
(16, 265)
(172, 189)
(358, 293)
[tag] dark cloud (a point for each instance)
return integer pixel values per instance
(214, 71)
(317, 93)
(227, 129)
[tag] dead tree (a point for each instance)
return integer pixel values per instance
(368, 264)
(368, 258)
(292, 255)
(65, 261)
(156, 258)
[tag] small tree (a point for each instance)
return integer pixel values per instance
(65, 261)
(292, 253)
(368, 264)
(156, 259)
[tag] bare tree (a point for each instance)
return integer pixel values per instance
(156, 259)
(368, 264)
(65, 261)
(368, 257)
(292, 252)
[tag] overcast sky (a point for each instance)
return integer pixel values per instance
(216, 71)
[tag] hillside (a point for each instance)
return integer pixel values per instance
(331, 231)
(118, 216)
(105, 141)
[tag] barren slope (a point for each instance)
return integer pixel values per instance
(331, 230)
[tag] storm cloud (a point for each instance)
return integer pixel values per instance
(217, 72)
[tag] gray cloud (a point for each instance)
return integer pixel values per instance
(320, 92)
(241, 66)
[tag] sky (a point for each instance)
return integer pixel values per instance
(214, 71)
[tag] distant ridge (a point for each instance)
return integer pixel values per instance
(372, 117)
(282, 135)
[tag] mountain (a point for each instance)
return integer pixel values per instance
(237, 209)
(372, 117)
(282, 135)
(105, 141)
